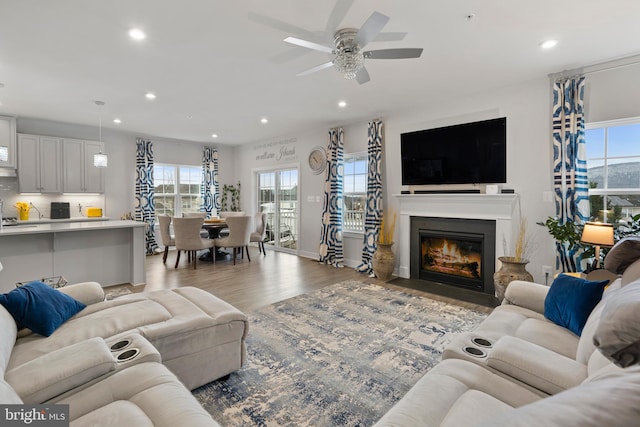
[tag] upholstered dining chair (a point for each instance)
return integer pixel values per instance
(165, 235)
(260, 231)
(203, 233)
(187, 238)
(239, 234)
(226, 214)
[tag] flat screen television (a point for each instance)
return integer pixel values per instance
(469, 153)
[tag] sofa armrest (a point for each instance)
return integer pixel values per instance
(537, 366)
(85, 292)
(526, 294)
(59, 371)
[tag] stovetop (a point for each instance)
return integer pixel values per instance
(9, 220)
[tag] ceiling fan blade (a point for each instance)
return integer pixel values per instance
(362, 76)
(311, 45)
(390, 37)
(294, 52)
(400, 53)
(337, 15)
(282, 26)
(371, 28)
(316, 68)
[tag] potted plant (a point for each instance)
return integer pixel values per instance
(513, 267)
(384, 259)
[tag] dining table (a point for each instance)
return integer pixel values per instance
(214, 226)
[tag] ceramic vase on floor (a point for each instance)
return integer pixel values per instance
(383, 261)
(510, 270)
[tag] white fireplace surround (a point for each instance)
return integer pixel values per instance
(502, 208)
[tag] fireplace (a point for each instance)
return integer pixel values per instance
(454, 252)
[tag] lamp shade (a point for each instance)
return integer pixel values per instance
(596, 233)
(100, 160)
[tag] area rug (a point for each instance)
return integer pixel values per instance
(339, 356)
(115, 292)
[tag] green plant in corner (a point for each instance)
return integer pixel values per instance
(235, 198)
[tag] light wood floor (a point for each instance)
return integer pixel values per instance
(265, 280)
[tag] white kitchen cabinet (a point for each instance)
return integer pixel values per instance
(39, 164)
(79, 174)
(7, 142)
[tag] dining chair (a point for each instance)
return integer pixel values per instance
(203, 233)
(165, 235)
(239, 234)
(260, 231)
(187, 238)
(226, 214)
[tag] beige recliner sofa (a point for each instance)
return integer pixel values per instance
(520, 369)
(125, 361)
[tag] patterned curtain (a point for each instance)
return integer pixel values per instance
(145, 210)
(373, 212)
(210, 188)
(570, 181)
(331, 238)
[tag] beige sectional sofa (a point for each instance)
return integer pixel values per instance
(520, 369)
(125, 361)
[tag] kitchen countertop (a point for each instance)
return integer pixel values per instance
(54, 221)
(30, 227)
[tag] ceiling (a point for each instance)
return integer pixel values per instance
(214, 70)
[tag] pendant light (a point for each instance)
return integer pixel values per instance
(100, 159)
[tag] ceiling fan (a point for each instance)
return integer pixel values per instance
(348, 53)
(348, 43)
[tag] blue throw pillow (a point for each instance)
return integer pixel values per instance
(40, 308)
(571, 300)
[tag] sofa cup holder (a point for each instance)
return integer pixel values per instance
(482, 342)
(120, 345)
(127, 355)
(474, 351)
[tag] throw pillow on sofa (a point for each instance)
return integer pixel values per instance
(618, 333)
(570, 300)
(40, 308)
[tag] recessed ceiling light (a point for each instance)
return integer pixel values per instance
(150, 95)
(214, 135)
(548, 44)
(117, 121)
(137, 34)
(342, 104)
(264, 120)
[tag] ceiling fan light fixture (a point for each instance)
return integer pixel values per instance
(348, 63)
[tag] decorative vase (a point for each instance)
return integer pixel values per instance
(383, 261)
(511, 269)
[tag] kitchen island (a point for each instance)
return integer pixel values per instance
(108, 252)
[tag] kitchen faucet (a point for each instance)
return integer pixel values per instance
(40, 216)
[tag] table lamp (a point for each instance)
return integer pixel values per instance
(597, 234)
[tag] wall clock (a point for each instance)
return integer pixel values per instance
(317, 160)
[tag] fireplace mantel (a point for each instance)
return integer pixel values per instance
(502, 208)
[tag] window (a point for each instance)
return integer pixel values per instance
(177, 189)
(354, 193)
(613, 169)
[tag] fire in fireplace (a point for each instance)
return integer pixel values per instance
(452, 256)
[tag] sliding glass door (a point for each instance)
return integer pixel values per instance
(278, 198)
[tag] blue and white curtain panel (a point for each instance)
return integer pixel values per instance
(331, 238)
(374, 208)
(570, 182)
(210, 187)
(145, 209)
